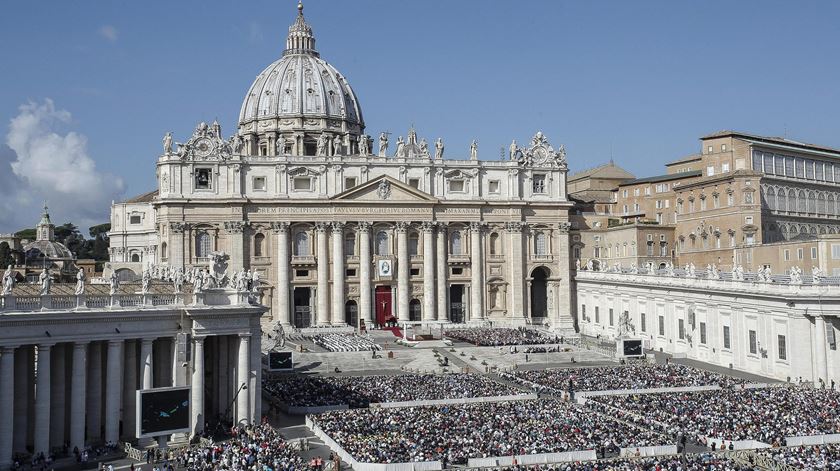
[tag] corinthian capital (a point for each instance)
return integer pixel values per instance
(321, 227)
(364, 226)
(402, 226)
(338, 226)
(428, 226)
(234, 227)
(477, 226)
(514, 226)
(279, 227)
(564, 227)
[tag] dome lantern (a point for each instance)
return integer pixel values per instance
(300, 39)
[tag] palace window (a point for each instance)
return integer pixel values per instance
(597, 315)
(611, 317)
(413, 244)
(202, 245)
(727, 344)
(259, 242)
(539, 184)
(302, 183)
(301, 244)
(681, 329)
(642, 323)
(135, 219)
(782, 348)
(540, 245)
(494, 244)
(349, 182)
(662, 325)
(203, 179)
(164, 253)
(349, 244)
(382, 243)
(456, 186)
(259, 183)
(753, 342)
(414, 182)
(703, 333)
(493, 187)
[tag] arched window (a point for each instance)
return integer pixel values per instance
(259, 242)
(455, 247)
(350, 244)
(382, 243)
(163, 251)
(770, 198)
(494, 244)
(782, 201)
(812, 202)
(803, 202)
(413, 243)
(540, 244)
(202, 245)
(135, 257)
(301, 244)
(821, 203)
(829, 209)
(792, 203)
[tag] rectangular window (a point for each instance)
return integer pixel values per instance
(493, 186)
(635, 192)
(835, 251)
(662, 325)
(349, 182)
(819, 174)
(611, 317)
(703, 333)
(710, 171)
(681, 329)
(724, 167)
(800, 168)
(787, 255)
(800, 254)
(782, 348)
(730, 199)
(813, 253)
(414, 182)
(788, 166)
(809, 169)
(415, 272)
(259, 183)
(748, 197)
(301, 273)
(726, 341)
(135, 219)
(780, 165)
(597, 315)
(753, 342)
(203, 179)
(302, 183)
(350, 272)
(539, 184)
(457, 271)
(643, 322)
(456, 186)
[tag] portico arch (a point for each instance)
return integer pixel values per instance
(539, 292)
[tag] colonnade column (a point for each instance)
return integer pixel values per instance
(146, 363)
(429, 300)
(94, 392)
(7, 404)
(476, 270)
(323, 314)
(23, 366)
(516, 264)
(57, 395)
(130, 389)
(403, 282)
(78, 392)
(197, 388)
(822, 371)
(442, 268)
(242, 372)
(42, 401)
(283, 314)
(113, 391)
(365, 261)
(338, 273)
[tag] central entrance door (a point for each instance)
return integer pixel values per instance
(456, 304)
(384, 305)
(539, 292)
(303, 307)
(351, 313)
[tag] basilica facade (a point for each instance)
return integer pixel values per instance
(343, 228)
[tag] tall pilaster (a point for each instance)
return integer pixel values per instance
(113, 391)
(130, 389)
(516, 267)
(283, 313)
(564, 320)
(365, 281)
(242, 369)
(197, 388)
(236, 237)
(42, 401)
(23, 367)
(146, 366)
(7, 404)
(176, 255)
(93, 406)
(338, 273)
(224, 368)
(477, 272)
(57, 395)
(429, 300)
(442, 268)
(403, 272)
(323, 314)
(78, 391)
(819, 342)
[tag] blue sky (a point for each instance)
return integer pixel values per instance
(636, 80)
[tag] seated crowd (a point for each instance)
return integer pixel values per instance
(640, 376)
(254, 447)
(496, 336)
(454, 433)
(687, 462)
(345, 343)
(766, 415)
(810, 457)
(360, 391)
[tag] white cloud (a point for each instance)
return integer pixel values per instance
(109, 32)
(48, 165)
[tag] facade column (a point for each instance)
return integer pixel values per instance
(476, 270)
(146, 365)
(442, 268)
(429, 300)
(403, 272)
(822, 371)
(365, 280)
(338, 274)
(176, 244)
(94, 392)
(197, 418)
(224, 368)
(323, 314)
(57, 395)
(7, 404)
(516, 264)
(78, 392)
(23, 367)
(283, 313)
(113, 391)
(130, 389)
(236, 241)
(255, 384)
(42, 401)
(563, 307)
(242, 370)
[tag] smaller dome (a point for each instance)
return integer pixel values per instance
(51, 250)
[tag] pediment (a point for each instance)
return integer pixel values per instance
(384, 189)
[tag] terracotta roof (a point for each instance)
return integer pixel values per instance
(608, 170)
(144, 198)
(770, 140)
(664, 178)
(689, 158)
(593, 196)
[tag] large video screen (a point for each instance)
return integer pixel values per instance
(278, 361)
(163, 411)
(632, 348)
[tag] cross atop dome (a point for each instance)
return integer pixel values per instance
(300, 39)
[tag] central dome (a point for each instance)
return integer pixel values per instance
(298, 99)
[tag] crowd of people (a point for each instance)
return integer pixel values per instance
(687, 462)
(345, 342)
(498, 336)
(360, 391)
(811, 457)
(454, 433)
(253, 447)
(767, 415)
(638, 376)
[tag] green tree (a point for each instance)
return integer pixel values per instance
(6, 257)
(26, 234)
